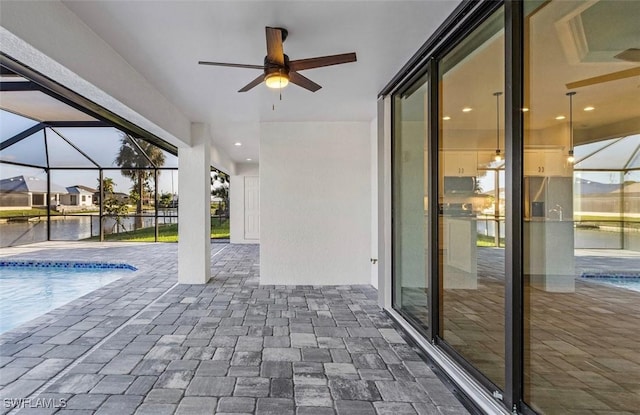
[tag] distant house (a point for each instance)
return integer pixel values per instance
(23, 192)
(607, 199)
(630, 199)
(78, 195)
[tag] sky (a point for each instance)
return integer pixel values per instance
(99, 144)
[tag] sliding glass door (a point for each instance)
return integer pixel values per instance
(516, 202)
(410, 203)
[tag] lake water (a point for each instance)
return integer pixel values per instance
(68, 228)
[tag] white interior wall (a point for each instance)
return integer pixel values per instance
(315, 189)
(237, 203)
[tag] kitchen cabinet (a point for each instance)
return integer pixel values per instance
(546, 163)
(460, 163)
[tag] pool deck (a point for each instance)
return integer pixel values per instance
(147, 345)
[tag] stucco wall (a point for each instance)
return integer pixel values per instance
(315, 190)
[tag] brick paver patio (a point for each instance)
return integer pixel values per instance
(147, 345)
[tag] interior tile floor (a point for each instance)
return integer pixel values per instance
(582, 350)
(147, 345)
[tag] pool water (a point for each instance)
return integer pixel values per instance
(29, 292)
(628, 282)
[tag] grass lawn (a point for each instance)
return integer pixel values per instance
(42, 212)
(594, 218)
(484, 240)
(166, 233)
(25, 212)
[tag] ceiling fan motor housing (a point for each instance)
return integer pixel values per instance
(284, 32)
(270, 67)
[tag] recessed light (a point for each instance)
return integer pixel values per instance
(589, 108)
(525, 109)
(248, 159)
(560, 117)
(446, 118)
(467, 109)
(238, 144)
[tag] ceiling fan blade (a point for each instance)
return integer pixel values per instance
(300, 80)
(629, 55)
(231, 65)
(275, 52)
(301, 64)
(613, 76)
(252, 84)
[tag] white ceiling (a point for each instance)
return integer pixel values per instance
(164, 40)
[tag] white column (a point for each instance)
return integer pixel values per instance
(194, 216)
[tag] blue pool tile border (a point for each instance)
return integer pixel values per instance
(65, 264)
(611, 275)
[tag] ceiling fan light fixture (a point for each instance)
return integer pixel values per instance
(276, 80)
(279, 71)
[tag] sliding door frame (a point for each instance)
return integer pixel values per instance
(514, 205)
(456, 28)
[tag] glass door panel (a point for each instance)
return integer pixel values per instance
(471, 200)
(410, 214)
(581, 212)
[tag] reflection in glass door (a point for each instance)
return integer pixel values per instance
(582, 207)
(410, 214)
(471, 161)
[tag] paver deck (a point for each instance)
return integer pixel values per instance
(147, 345)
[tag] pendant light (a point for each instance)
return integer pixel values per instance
(498, 156)
(570, 158)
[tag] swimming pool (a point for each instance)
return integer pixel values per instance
(630, 281)
(29, 289)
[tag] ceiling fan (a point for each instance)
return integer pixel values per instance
(278, 70)
(629, 55)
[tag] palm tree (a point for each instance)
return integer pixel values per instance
(133, 161)
(107, 183)
(220, 188)
(111, 205)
